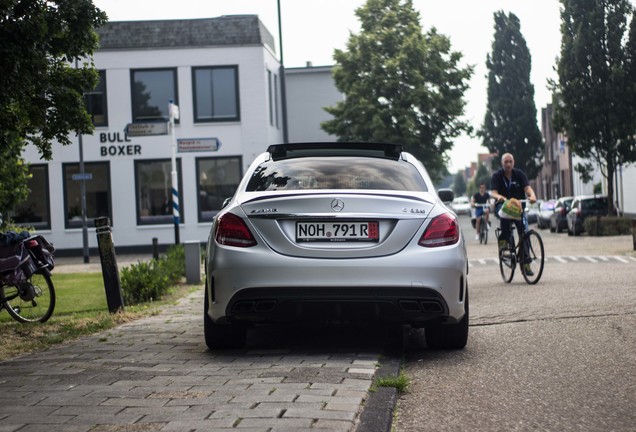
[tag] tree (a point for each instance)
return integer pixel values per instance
(510, 123)
(42, 91)
(459, 184)
(595, 96)
(400, 85)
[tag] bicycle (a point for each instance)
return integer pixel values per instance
(529, 253)
(26, 289)
(483, 224)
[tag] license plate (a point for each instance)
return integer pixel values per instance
(337, 231)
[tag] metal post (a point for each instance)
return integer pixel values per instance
(83, 192)
(283, 87)
(173, 110)
(155, 248)
(110, 272)
(192, 250)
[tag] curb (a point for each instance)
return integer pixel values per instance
(377, 415)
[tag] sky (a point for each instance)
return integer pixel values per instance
(312, 30)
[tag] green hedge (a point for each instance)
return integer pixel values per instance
(151, 280)
(607, 226)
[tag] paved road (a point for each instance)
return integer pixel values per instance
(556, 356)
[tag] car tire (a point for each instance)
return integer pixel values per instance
(552, 229)
(448, 336)
(229, 336)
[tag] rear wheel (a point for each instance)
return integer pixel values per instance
(33, 301)
(483, 232)
(449, 336)
(222, 336)
(507, 263)
(532, 257)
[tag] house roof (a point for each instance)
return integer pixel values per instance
(227, 30)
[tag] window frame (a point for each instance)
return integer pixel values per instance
(90, 220)
(175, 85)
(102, 80)
(160, 219)
(46, 223)
(200, 212)
(196, 118)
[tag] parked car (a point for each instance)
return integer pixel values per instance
(533, 212)
(582, 208)
(545, 213)
(461, 205)
(324, 232)
(558, 220)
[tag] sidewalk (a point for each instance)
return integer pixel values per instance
(156, 374)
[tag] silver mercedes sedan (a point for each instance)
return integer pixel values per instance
(336, 232)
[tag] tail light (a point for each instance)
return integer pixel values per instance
(231, 230)
(442, 231)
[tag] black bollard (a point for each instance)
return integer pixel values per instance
(155, 248)
(110, 272)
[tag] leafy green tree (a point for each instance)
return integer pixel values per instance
(595, 96)
(400, 85)
(459, 184)
(510, 123)
(14, 175)
(42, 91)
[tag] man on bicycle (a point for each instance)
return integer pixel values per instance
(510, 182)
(481, 197)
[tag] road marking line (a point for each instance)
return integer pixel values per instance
(603, 258)
(590, 259)
(560, 259)
(573, 258)
(621, 259)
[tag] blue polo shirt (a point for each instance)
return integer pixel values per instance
(513, 188)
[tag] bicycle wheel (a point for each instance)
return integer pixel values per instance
(483, 232)
(532, 257)
(507, 263)
(32, 302)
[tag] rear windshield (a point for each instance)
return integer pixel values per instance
(336, 173)
(594, 204)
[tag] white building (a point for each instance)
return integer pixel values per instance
(224, 75)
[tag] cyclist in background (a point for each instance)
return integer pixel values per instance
(481, 197)
(510, 182)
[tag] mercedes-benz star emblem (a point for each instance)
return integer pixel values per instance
(337, 205)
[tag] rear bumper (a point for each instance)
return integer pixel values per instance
(412, 306)
(405, 288)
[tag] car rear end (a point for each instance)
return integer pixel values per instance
(343, 236)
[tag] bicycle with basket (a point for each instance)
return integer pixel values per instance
(528, 252)
(26, 289)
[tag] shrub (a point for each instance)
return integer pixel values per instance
(151, 280)
(607, 226)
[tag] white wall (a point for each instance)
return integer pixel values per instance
(308, 91)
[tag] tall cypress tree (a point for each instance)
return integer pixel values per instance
(400, 85)
(595, 97)
(510, 123)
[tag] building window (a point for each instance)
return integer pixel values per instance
(218, 179)
(152, 90)
(276, 99)
(153, 186)
(96, 104)
(270, 97)
(216, 93)
(98, 193)
(35, 211)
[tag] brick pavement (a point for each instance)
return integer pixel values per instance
(156, 374)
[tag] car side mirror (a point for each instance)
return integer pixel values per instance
(446, 195)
